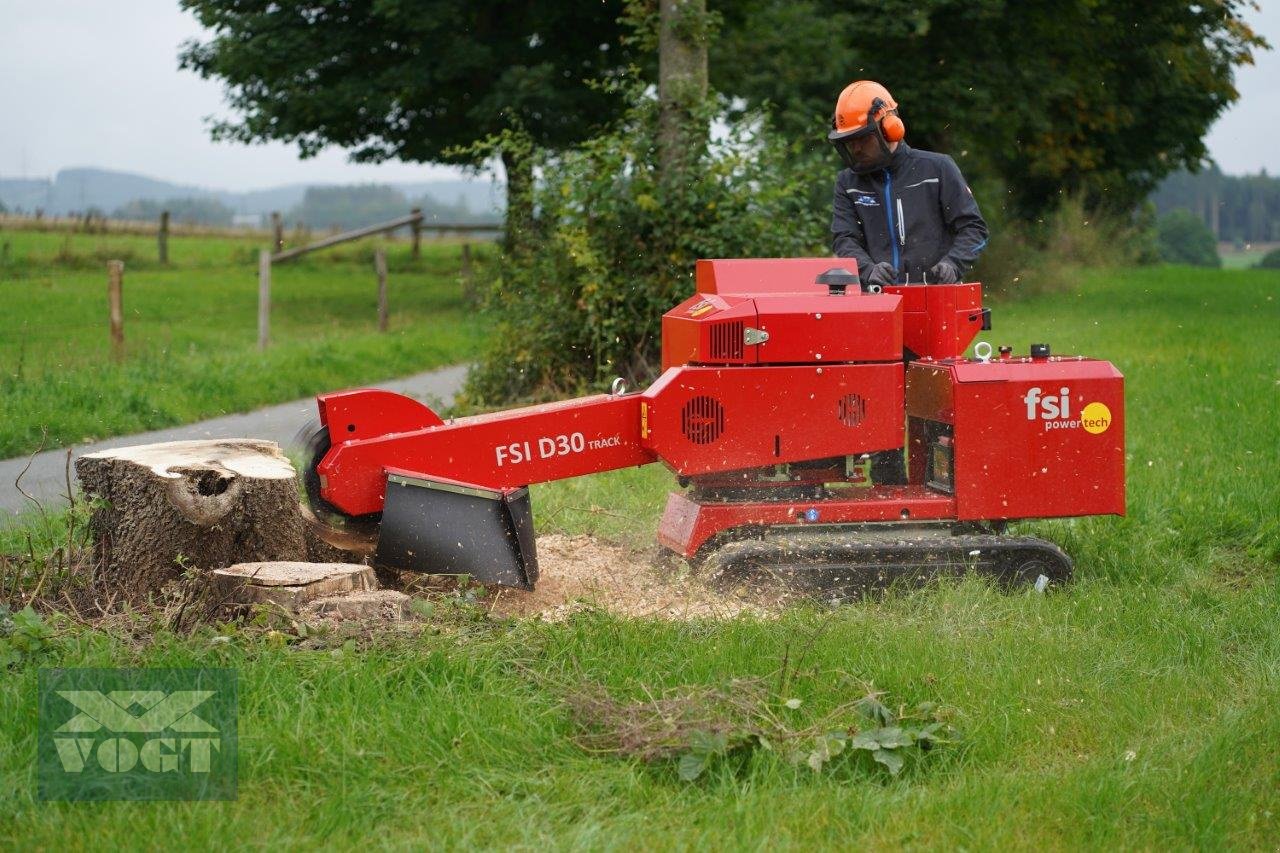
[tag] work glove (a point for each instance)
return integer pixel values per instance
(882, 274)
(944, 272)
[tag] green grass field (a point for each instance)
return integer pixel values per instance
(191, 330)
(1239, 259)
(1139, 707)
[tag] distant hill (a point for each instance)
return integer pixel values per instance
(79, 190)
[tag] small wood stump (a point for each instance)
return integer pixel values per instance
(207, 504)
(385, 605)
(290, 584)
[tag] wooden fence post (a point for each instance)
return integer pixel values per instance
(264, 298)
(115, 300)
(277, 231)
(416, 229)
(468, 286)
(164, 237)
(380, 267)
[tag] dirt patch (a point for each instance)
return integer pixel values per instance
(579, 572)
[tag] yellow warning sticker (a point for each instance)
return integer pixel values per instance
(1095, 418)
(700, 309)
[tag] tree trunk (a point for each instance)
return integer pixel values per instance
(519, 168)
(683, 33)
(205, 504)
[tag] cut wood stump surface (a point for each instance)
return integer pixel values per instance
(206, 504)
(290, 584)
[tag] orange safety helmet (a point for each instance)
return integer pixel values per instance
(865, 108)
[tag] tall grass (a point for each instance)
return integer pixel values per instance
(1046, 256)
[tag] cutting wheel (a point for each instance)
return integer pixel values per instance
(357, 533)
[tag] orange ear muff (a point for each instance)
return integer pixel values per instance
(893, 128)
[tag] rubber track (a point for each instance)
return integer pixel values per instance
(848, 569)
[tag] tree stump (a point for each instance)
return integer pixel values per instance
(207, 504)
(290, 584)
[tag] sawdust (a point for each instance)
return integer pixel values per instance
(580, 572)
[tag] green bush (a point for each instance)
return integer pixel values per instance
(1270, 261)
(581, 300)
(1046, 256)
(1185, 239)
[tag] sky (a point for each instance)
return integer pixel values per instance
(96, 83)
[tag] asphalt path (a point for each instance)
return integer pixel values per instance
(44, 475)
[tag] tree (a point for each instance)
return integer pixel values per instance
(684, 31)
(364, 204)
(1238, 208)
(1040, 97)
(196, 211)
(1270, 261)
(411, 80)
(1184, 239)
(350, 206)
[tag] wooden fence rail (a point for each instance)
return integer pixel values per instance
(416, 222)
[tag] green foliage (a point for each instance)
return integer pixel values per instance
(192, 211)
(1047, 255)
(1101, 98)
(704, 729)
(1185, 239)
(1245, 207)
(1270, 261)
(23, 636)
(1022, 94)
(354, 206)
(614, 247)
(407, 79)
(350, 207)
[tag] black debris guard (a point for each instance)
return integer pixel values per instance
(442, 527)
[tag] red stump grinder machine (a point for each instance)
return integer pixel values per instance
(781, 379)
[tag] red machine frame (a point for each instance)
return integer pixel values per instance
(766, 368)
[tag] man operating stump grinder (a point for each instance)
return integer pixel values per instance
(907, 216)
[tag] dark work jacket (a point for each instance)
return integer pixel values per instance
(913, 214)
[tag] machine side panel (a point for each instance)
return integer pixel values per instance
(687, 525)
(1041, 439)
(930, 392)
(707, 419)
(824, 329)
(709, 328)
(939, 320)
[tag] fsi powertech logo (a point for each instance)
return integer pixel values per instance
(137, 734)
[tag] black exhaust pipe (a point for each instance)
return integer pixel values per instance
(450, 528)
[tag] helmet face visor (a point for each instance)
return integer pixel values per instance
(863, 151)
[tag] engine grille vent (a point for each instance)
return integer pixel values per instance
(702, 419)
(851, 409)
(727, 340)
